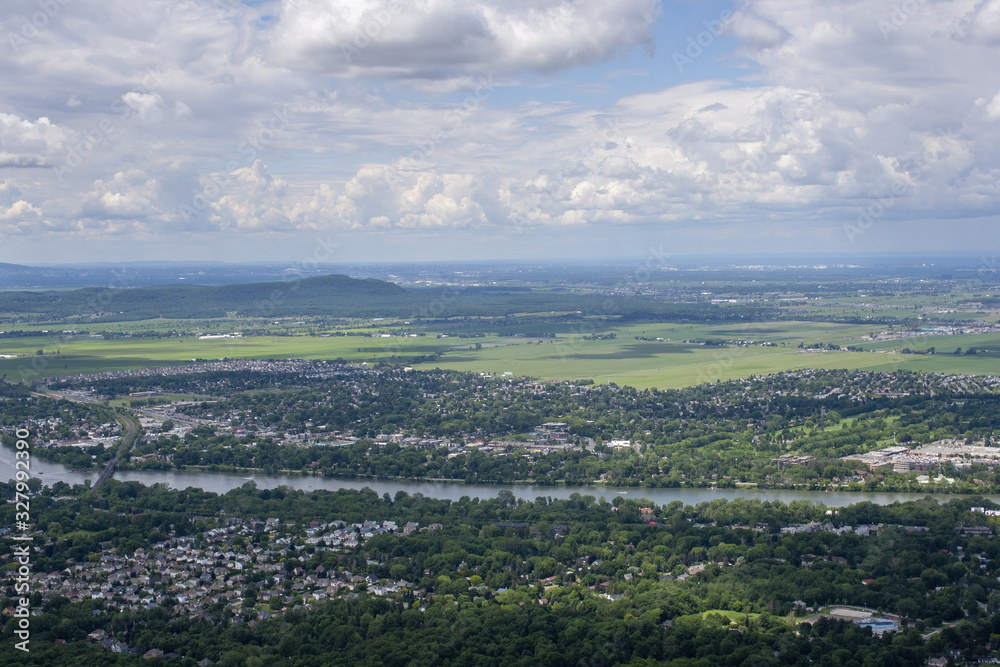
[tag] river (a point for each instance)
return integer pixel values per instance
(221, 482)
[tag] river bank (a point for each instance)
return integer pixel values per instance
(221, 482)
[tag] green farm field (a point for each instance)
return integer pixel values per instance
(673, 363)
(627, 363)
(84, 355)
(570, 356)
(217, 325)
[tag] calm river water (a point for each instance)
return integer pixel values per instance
(221, 482)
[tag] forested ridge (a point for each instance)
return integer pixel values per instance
(319, 295)
(344, 297)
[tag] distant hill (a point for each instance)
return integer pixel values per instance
(337, 295)
(15, 269)
(342, 296)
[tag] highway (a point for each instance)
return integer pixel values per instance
(131, 432)
(130, 423)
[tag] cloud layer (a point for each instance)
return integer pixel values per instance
(385, 117)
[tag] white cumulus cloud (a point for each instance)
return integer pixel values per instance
(451, 38)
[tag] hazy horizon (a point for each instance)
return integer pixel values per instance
(720, 259)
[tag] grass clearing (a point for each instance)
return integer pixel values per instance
(734, 617)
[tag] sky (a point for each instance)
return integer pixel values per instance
(318, 131)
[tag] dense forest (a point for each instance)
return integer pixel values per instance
(504, 581)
